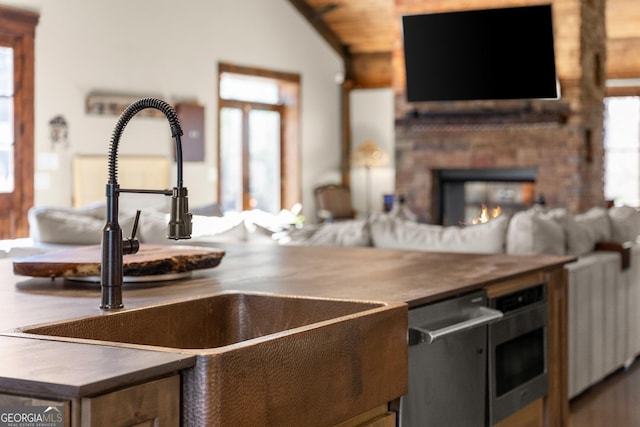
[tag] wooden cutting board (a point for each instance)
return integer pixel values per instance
(151, 260)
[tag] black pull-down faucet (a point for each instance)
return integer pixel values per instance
(113, 245)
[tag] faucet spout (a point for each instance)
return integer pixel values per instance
(180, 220)
(113, 247)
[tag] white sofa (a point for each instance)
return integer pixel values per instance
(604, 298)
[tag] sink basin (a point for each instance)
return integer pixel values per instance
(205, 323)
(264, 359)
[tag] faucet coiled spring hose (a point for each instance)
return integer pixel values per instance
(127, 114)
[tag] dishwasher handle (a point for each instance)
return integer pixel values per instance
(425, 336)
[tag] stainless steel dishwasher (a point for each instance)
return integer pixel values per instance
(448, 363)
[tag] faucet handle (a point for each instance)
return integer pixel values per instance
(134, 230)
(132, 245)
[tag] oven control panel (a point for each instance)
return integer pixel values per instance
(516, 300)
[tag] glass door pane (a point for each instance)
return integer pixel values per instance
(6, 121)
(622, 150)
(264, 160)
(231, 159)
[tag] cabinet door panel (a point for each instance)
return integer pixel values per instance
(156, 403)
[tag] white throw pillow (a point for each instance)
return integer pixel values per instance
(535, 232)
(395, 233)
(625, 223)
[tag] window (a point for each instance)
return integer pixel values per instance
(6, 120)
(622, 150)
(258, 149)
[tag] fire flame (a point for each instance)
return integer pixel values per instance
(486, 214)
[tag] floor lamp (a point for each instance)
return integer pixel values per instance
(369, 154)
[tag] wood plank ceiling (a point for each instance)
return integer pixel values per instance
(363, 32)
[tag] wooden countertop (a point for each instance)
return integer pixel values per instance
(61, 369)
(413, 277)
(355, 273)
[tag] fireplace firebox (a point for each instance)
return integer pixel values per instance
(466, 196)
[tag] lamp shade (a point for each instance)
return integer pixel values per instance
(369, 154)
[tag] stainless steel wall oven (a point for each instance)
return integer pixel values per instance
(517, 352)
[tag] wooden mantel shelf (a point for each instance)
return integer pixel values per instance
(503, 113)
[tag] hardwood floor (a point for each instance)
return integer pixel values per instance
(612, 403)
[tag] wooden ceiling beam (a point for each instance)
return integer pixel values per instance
(372, 70)
(315, 19)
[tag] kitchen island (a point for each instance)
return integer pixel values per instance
(414, 278)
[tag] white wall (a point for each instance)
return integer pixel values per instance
(170, 49)
(372, 117)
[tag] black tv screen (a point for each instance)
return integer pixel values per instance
(480, 55)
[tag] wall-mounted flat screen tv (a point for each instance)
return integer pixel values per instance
(484, 54)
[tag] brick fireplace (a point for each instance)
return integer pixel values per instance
(562, 139)
(557, 151)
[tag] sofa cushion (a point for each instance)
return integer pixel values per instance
(535, 232)
(597, 220)
(229, 228)
(395, 233)
(580, 238)
(72, 226)
(342, 233)
(297, 236)
(625, 223)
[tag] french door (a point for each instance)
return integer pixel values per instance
(17, 34)
(251, 156)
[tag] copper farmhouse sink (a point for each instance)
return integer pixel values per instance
(264, 359)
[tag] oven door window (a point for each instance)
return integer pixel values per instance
(519, 360)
